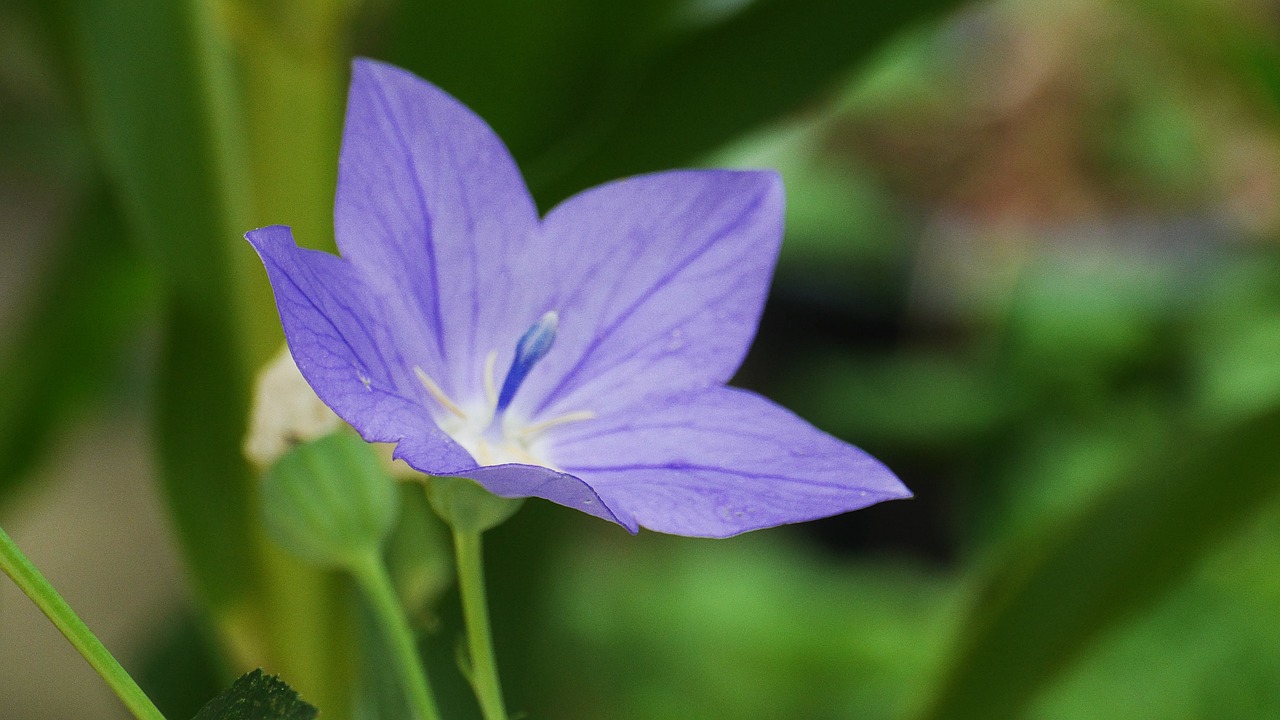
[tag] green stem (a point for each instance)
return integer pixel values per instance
(372, 576)
(30, 581)
(475, 609)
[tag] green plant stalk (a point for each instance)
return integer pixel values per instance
(371, 574)
(35, 586)
(475, 610)
(306, 633)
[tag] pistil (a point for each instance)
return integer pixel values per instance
(532, 347)
(486, 432)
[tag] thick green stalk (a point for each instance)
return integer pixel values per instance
(30, 581)
(303, 613)
(475, 609)
(375, 582)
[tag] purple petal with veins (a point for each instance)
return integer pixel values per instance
(582, 357)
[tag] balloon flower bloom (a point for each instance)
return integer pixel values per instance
(579, 357)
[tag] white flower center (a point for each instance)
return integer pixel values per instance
(484, 427)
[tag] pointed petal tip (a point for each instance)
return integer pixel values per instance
(270, 235)
(455, 460)
(896, 489)
(693, 468)
(630, 525)
(605, 511)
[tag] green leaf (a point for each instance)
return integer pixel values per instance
(1211, 649)
(1064, 589)
(257, 696)
(531, 70)
(162, 158)
(709, 86)
(293, 60)
(584, 91)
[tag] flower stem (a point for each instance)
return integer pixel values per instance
(372, 576)
(475, 610)
(35, 586)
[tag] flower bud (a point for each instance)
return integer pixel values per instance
(329, 501)
(285, 412)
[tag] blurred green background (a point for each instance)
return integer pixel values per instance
(1031, 263)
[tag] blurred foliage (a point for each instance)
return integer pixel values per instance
(71, 346)
(751, 627)
(1031, 263)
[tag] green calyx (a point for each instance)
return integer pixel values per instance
(467, 506)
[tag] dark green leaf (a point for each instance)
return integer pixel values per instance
(713, 84)
(584, 91)
(257, 696)
(180, 669)
(200, 426)
(532, 70)
(148, 111)
(1211, 649)
(1064, 589)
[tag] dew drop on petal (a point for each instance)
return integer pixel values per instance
(675, 341)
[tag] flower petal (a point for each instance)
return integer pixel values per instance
(432, 212)
(659, 281)
(720, 462)
(346, 353)
(515, 480)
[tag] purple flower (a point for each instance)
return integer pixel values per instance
(581, 357)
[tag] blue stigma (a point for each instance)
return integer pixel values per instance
(532, 347)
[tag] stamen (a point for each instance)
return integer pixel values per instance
(434, 390)
(524, 456)
(532, 347)
(483, 456)
(490, 393)
(531, 431)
